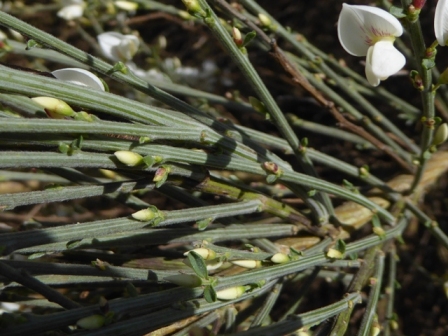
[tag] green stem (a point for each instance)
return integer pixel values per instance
(419, 47)
(259, 87)
(368, 320)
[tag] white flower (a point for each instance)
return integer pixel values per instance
(118, 47)
(72, 9)
(441, 22)
(80, 77)
(370, 31)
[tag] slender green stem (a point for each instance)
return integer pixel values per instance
(390, 290)
(369, 315)
(419, 47)
(358, 282)
(267, 306)
(242, 60)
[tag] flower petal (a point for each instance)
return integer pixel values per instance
(118, 47)
(385, 60)
(80, 77)
(108, 42)
(441, 22)
(371, 78)
(360, 26)
(71, 12)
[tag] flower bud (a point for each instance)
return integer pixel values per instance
(129, 158)
(280, 258)
(206, 254)
(418, 4)
(161, 175)
(237, 38)
(144, 215)
(264, 20)
(55, 108)
(440, 135)
(379, 231)
(91, 322)
(192, 6)
(334, 254)
(127, 5)
(231, 293)
(184, 280)
(247, 263)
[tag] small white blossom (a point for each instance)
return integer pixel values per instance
(118, 47)
(72, 9)
(371, 32)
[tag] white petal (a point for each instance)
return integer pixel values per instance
(118, 47)
(371, 78)
(79, 77)
(359, 26)
(71, 12)
(108, 43)
(128, 47)
(383, 60)
(441, 22)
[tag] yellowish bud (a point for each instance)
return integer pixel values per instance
(144, 215)
(192, 6)
(184, 15)
(247, 263)
(379, 231)
(126, 5)
(206, 254)
(213, 264)
(280, 258)
(231, 293)
(440, 135)
(129, 158)
(264, 20)
(334, 254)
(91, 322)
(237, 36)
(56, 108)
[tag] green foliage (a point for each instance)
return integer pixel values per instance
(101, 203)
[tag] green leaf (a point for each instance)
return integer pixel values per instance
(376, 221)
(209, 294)
(63, 148)
(32, 44)
(36, 255)
(248, 38)
(73, 244)
(149, 161)
(204, 223)
(340, 246)
(397, 12)
(353, 256)
(198, 265)
(428, 63)
(271, 178)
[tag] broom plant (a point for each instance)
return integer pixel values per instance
(139, 197)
